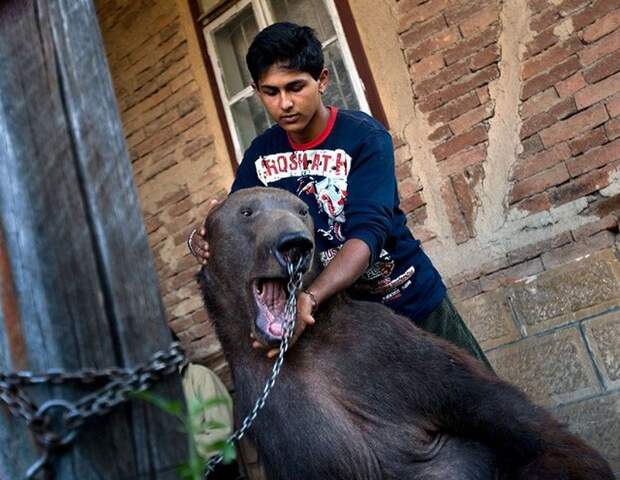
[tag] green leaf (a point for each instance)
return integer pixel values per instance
(229, 454)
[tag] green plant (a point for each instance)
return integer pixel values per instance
(191, 424)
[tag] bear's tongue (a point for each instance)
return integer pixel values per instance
(271, 300)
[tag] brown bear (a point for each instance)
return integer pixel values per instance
(364, 393)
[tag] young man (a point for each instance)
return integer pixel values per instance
(341, 163)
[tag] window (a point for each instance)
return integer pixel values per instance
(229, 36)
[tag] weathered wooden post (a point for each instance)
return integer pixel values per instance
(77, 284)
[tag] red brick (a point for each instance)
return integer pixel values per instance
(189, 122)
(574, 251)
(574, 125)
(535, 204)
(588, 140)
(464, 185)
(602, 47)
(604, 206)
(483, 94)
(540, 42)
(162, 94)
(613, 128)
(161, 122)
(534, 249)
(598, 91)
(594, 158)
(467, 47)
(606, 67)
(539, 182)
(543, 120)
(602, 27)
(458, 12)
(559, 72)
(460, 142)
(441, 133)
(531, 146)
(582, 186)
(154, 141)
(461, 87)
(593, 12)
(421, 31)
(419, 14)
(468, 120)
(544, 20)
(179, 280)
(183, 77)
(485, 57)
(409, 204)
(538, 103)
(609, 222)
(462, 160)
(613, 106)
(549, 58)
(426, 66)
(541, 161)
(453, 109)
(409, 186)
(571, 85)
(445, 76)
(433, 44)
(196, 145)
(480, 20)
(460, 233)
(152, 223)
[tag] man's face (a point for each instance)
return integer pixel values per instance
(291, 97)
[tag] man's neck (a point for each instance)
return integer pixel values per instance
(315, 127)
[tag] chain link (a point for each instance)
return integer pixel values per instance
(122, 382)
(295, 273)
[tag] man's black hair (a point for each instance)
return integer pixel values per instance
(294, 46)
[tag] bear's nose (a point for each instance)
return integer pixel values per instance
(291, 247)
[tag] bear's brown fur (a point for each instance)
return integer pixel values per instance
(364, 394)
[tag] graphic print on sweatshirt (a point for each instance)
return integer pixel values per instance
(322, 174)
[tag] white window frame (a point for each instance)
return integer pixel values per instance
(262, 13)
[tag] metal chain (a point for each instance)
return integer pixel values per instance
(295, 280)
(121, 383)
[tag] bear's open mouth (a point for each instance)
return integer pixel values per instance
(270, 295)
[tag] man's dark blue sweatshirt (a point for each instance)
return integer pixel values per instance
(346, 176)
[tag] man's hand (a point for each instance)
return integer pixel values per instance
(305, 308)
(197, 241)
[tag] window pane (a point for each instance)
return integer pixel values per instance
(250, 119)
(231, 44)
(305, 12)
(339, 88)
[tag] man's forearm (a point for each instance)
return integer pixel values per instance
(342, 272)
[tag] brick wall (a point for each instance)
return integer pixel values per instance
(522, 124)
(519, 110)
(171, 145)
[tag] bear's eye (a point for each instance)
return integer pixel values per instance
(246, 212)
(303, 212)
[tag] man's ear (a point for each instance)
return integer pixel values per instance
(323, 80)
